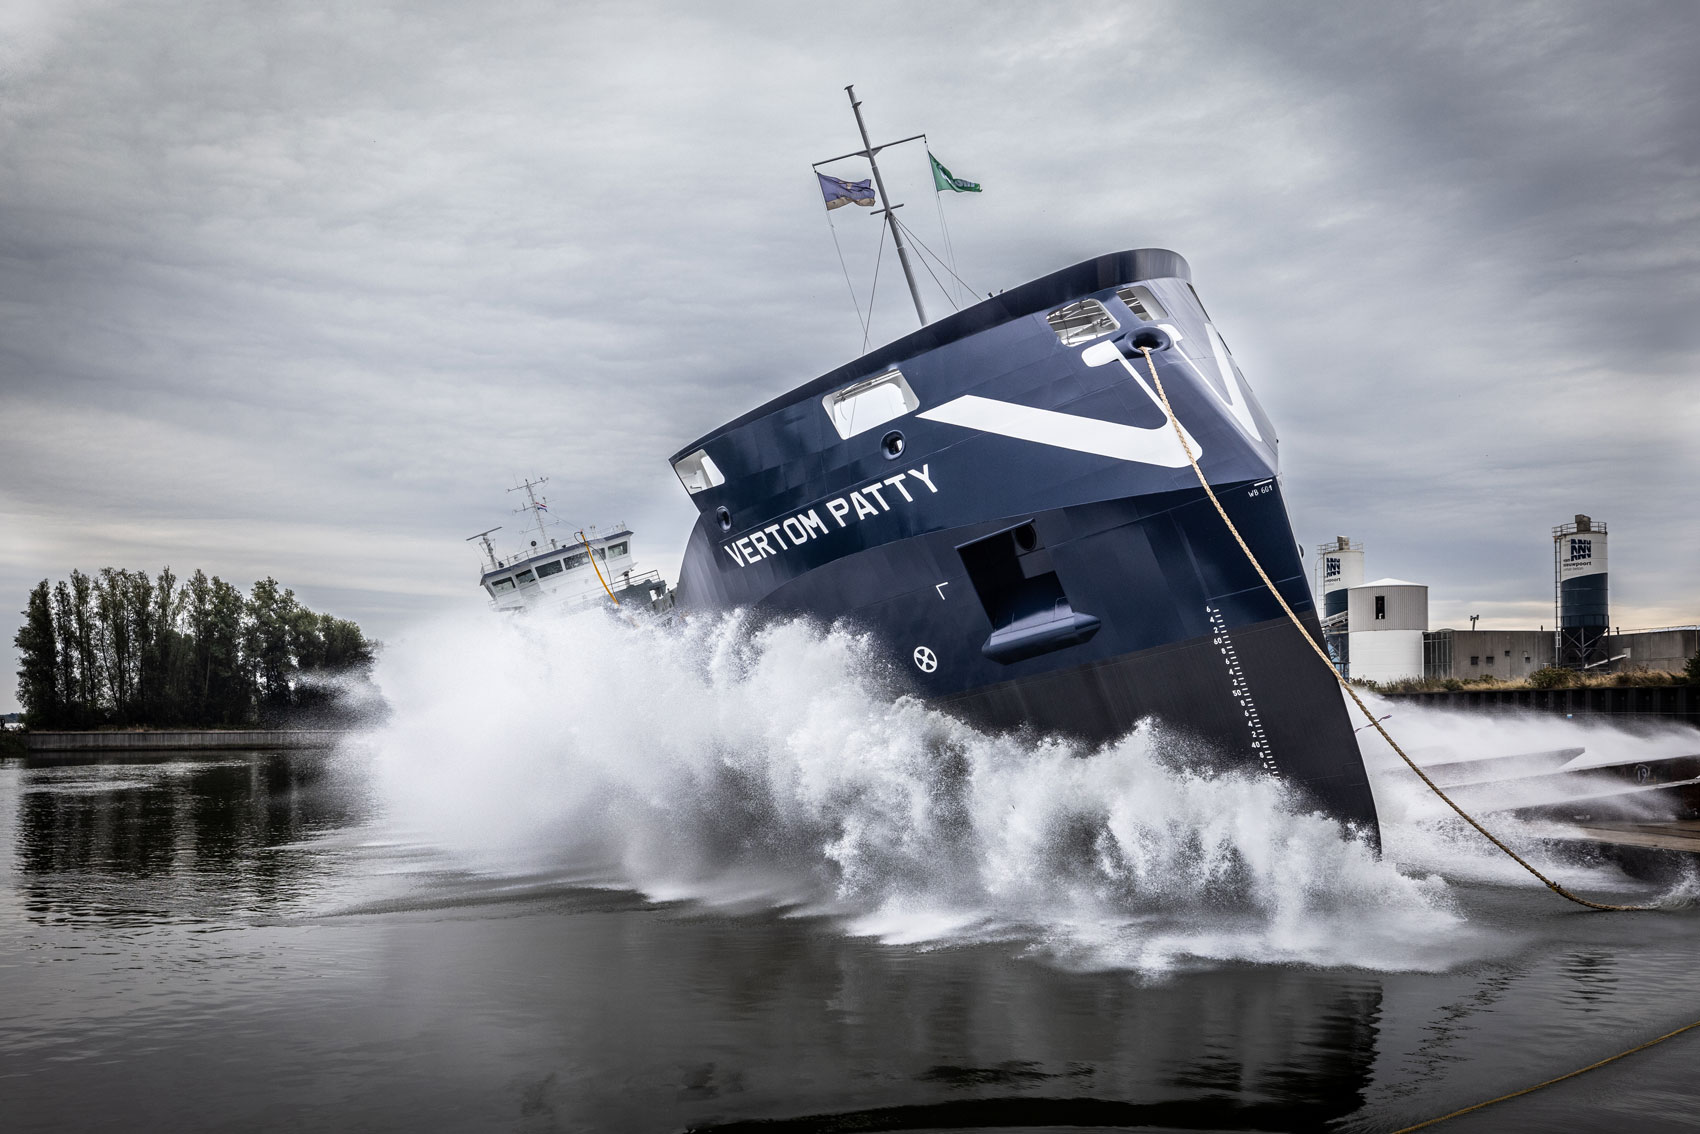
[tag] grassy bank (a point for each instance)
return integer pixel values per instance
(1549, 678)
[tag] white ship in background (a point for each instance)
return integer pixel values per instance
(558, 569)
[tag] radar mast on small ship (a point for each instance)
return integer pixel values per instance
(537, 507)
(588, 569)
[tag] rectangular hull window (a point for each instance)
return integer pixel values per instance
(1081, 322)
(698, 472)
(858, 408)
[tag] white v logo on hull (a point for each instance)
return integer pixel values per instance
(1155, 446)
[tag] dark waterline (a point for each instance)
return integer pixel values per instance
(232, 943)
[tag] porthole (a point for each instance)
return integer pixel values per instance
(892, 445)
(725, 519)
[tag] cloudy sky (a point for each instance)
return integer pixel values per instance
(301, 288)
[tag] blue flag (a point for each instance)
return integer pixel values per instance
(838, 191)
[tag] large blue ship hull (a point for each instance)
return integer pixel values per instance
(1033, 549)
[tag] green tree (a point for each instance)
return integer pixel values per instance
(162, 677)
(38, 656)
(1691, 671)
(346, 648)
(74, 624)
(268, 643)
(123, 648)
(124, 630)
(229, 678)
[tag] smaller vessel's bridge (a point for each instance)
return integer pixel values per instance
(558, 568)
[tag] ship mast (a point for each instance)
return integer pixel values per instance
(868, 151)
(533, 505)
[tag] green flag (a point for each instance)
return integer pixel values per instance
(942, 179)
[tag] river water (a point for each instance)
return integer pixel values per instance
(583, 876)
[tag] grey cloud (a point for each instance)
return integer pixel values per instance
(300, 289)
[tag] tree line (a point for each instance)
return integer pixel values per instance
(118, 648)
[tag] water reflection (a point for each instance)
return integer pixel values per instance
(189, 953)
(667, 1019)
(183, 840)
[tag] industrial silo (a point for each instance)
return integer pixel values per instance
(1388, 619)
(1339, 567)
(1579, 592)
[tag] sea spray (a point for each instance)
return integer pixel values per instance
(1420, 831)
(722, 760)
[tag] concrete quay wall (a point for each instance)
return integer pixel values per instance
(160, 740)
(1671, 702)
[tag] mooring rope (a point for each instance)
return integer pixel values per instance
(1550, 1082)
(1186, 447)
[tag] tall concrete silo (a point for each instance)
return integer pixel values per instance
(1583, 610)
(1339, 567)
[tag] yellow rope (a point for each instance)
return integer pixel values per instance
(1432, 786)
(595, 568)
(1550, 1082)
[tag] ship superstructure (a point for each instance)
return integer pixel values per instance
(561, 569)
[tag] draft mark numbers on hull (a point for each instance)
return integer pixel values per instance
(1241, 690)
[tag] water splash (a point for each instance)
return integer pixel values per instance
(724, 762)
(1420, 831)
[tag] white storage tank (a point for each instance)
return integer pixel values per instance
(1387, 619)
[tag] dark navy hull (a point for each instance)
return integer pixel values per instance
(1036, 552)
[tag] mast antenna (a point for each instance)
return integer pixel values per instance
(484, 537)
(533, 504)
(868, 151)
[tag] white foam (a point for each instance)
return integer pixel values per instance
(719, 762)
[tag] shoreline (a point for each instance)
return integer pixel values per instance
(194, 739)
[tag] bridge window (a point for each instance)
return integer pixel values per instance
(1081, 322)
(698, 472)
(525, 577)
(544, 570)
(875, 401)
(615, 549)
(500, 585)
